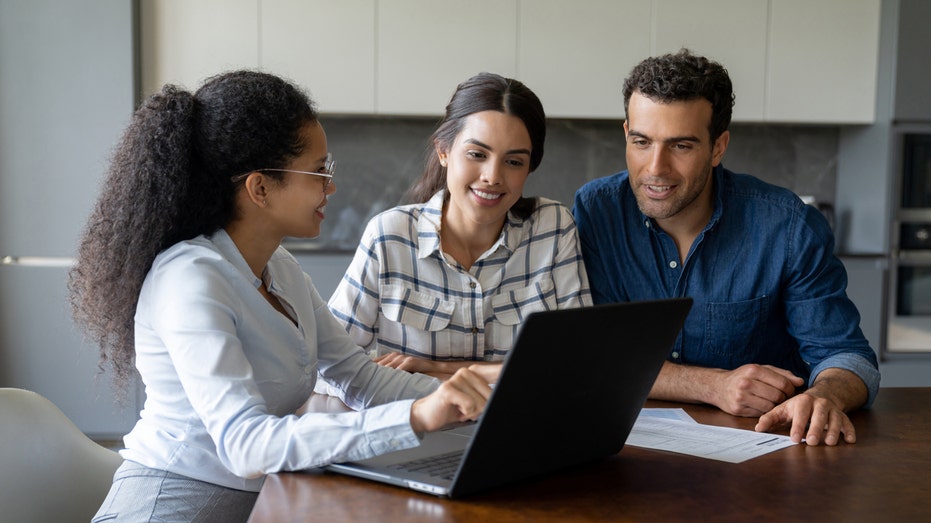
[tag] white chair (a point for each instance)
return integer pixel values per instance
(49, 470)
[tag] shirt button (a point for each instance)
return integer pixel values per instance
(474, 330)
(471, 284)
(675, 355)
(673, 264)
(646, 223)
(308, 369)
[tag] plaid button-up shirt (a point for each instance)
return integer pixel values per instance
(401, 293)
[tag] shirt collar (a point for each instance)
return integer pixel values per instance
(430, 221)
(221, 239)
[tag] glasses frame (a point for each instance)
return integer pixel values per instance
(329, 166)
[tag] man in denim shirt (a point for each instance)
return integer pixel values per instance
(772, 332)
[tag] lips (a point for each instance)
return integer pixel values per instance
(486, 195)
(658, 191)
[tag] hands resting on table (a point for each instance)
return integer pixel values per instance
(817, 414)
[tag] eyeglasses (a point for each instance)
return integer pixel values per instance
(329, 166)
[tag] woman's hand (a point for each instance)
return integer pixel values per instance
(460, 398)
(438, 369)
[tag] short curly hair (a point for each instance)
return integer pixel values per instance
(684, 76)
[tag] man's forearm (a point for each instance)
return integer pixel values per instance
(843, 387)
(684, 383)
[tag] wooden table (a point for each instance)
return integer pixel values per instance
(885, 476)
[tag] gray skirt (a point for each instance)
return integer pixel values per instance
(142, 494)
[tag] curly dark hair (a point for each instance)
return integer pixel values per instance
(168, 181)
(684, 76)
(483, 92)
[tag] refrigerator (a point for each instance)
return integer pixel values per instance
(67, 90)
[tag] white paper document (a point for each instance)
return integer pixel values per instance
(673, 430)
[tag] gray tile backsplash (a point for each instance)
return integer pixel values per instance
(379, 157)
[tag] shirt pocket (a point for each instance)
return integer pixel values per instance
(734, 332)
(416, 322)
(511, 308)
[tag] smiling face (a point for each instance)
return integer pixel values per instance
(486, 167)
(670, 159)
(300, 199)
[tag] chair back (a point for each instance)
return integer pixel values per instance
(49, 469)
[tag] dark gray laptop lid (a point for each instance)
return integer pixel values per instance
(570, 391)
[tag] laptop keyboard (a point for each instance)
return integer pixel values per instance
(442, 466)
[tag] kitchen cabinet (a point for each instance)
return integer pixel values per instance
(822, 61)
(326, 46)
(791, 61)
(425, 48)
(732, 32)
(576, 76)
(186, 42)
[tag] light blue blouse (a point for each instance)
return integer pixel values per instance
(224, 372)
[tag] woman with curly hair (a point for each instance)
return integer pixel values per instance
(181, 277)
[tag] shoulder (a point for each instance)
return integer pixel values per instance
(749, 190)
(189, 269)
(605, 189)
(198, 254)
(548, 211)
(775, 206)
(397, 220)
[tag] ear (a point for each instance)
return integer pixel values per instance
(720, 146)
(626, 129)
(441, 153)
(256, 188)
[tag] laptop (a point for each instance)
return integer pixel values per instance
(569, 393)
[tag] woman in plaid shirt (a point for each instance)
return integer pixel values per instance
(447, 280)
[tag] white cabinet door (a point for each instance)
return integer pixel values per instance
(823, 61)
(326, 46)
(575, 55)
(185, 42)
(427, 47)
(732, 32)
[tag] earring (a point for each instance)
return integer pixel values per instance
(443, 163)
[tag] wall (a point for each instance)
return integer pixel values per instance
(379, 158)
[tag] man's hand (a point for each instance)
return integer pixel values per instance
(752, 390)
(823, 420)
(460, 398)
(819, 414)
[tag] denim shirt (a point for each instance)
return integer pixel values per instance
(766, 285)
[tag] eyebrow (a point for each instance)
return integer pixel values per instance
(672, 139)
(485, 146)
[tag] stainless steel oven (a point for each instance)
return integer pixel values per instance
(909, 327)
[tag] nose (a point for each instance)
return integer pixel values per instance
(492, 173)
(330, 188)
(658, 161)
